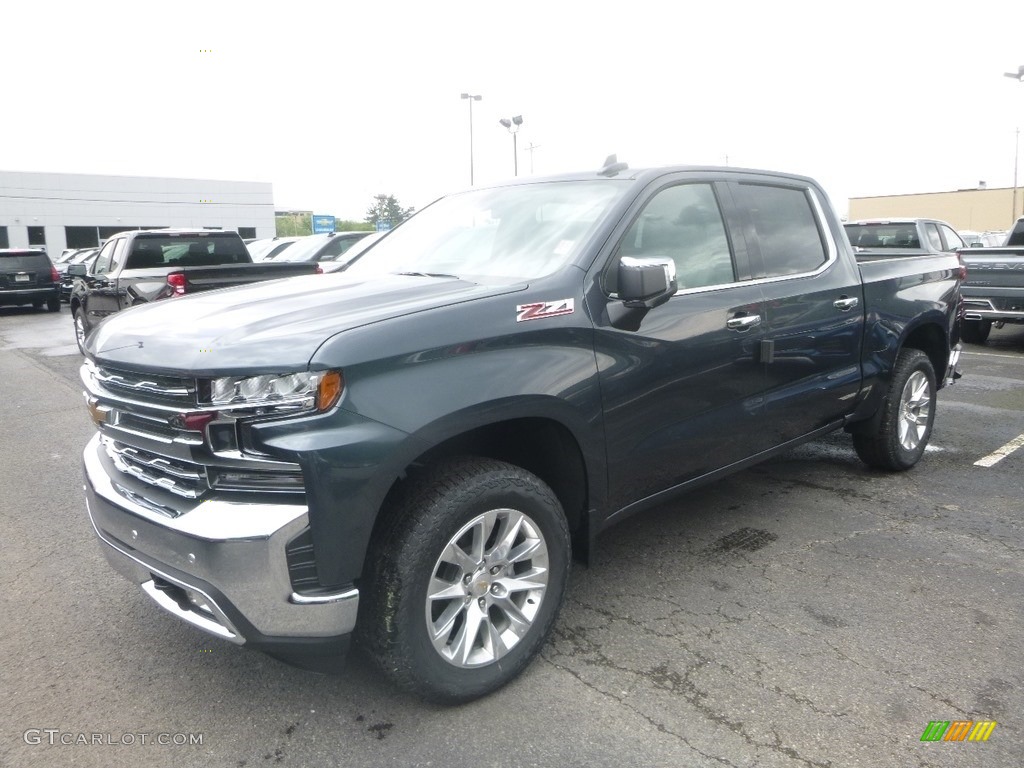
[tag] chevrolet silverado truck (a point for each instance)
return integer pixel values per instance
(410, 452)
(994, 289)
(141, 266)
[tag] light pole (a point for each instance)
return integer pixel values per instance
(472, 97)
(513, 126)
(1019, 77)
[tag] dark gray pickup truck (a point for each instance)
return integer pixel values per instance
(141, 266)
(994, 289)
(411, 451)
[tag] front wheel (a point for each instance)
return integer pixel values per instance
(467, 576)
(976, 331)
(80, 329)
(902, 434)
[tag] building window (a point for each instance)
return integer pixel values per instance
(81, 237)
(106, 232)
(4, 242)
(36, 237)
(246, 232)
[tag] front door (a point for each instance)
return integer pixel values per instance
(681, 383)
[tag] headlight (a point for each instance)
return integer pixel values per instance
(304, 391)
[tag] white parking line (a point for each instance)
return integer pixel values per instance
(994, 354)
(1001, 453)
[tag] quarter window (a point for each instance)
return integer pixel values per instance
(683, 223)
(787, 230)
(934, 240)
(953, 240)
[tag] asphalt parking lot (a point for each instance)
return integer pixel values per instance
(807, 612)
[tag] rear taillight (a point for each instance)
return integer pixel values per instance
(963, 267)
(319, 269)
(176, 281)
(54, 274)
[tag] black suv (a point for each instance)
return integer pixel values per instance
(28, 277)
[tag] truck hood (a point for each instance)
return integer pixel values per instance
(271, 326)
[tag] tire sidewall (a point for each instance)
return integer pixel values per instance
(433, 672)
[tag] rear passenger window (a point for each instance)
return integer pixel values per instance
(683, 223)
(933, 236)
(787, 229)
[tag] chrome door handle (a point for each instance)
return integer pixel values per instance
(846, 304)
(743, 322)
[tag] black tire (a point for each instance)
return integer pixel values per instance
(53, 305)
(81, 328)
(908, 414)
(464, 502)
(37, 304)
(975, 331)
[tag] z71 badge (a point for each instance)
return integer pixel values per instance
(543, 309)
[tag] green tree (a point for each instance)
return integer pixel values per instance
(386, 208)
(348, 225)
(291, 224)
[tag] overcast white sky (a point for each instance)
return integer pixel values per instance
(334, 102)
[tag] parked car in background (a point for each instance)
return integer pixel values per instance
(28, 277)
(340, 262)
(268, 247)
(142, 266)
(319, 247)
(81, 256)
(921, 235)
(994, 289)
(992, 239)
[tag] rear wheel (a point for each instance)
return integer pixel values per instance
(53, 305)
(80, 329)
(37, 304)
(907, 416)
(976, 331)
(468, 574)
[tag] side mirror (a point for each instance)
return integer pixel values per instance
(646, 283)
(78, 270)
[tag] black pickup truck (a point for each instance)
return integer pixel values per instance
(412, 450)
(140, 266)
(994, 289)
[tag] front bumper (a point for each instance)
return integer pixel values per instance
(221, 566)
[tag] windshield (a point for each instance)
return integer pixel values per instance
(522, 231)
(303, 249)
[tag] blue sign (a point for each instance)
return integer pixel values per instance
(383, 225)
(323, 224)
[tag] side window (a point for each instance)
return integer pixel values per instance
(118, 257)
(787, 230)
(953, 240)
(102, 265)
(684, 224)
(934, 241)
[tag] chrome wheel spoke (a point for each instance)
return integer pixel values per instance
(441, 629)
(518, 622)
(525, 551)
(458, 557)
(440, 589)
(465, 638)
(536, 578)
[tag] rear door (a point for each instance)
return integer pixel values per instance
(681, 383)
(814, 312)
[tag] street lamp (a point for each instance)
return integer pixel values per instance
(513, 126)
(472, 97)
(1019, 77)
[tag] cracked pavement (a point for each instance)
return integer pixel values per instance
(806, 612)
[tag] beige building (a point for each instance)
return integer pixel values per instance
(977, 210)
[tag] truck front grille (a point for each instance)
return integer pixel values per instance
(166, 389)
(179, 477)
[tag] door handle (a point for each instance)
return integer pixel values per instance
(743, 322)
(845, 304)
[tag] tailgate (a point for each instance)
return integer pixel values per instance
(999, 268)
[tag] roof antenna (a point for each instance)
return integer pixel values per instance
(612, 166)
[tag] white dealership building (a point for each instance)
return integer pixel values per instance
(71, 210)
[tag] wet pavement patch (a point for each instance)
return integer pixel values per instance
(745, 539)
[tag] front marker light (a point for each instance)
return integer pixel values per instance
(329, 390)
